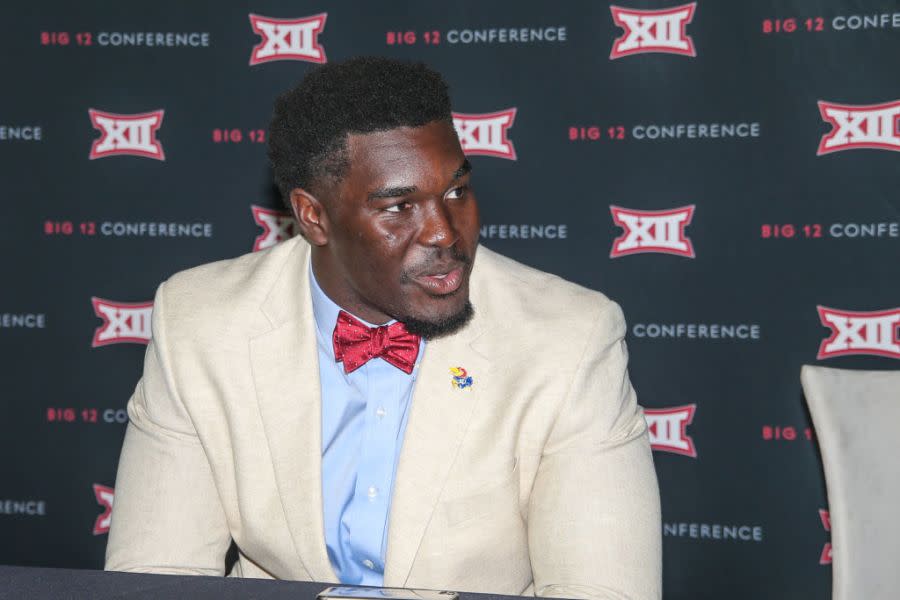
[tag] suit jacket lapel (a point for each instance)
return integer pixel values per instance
(286, 373)
(437, 423)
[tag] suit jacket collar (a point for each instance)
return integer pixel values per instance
(284, 361)
(438, 421)
(285, 368)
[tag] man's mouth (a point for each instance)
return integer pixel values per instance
(441, 283)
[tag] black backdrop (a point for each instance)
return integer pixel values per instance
(775, 215)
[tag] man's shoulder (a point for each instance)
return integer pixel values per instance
(524, 294)
(230, 285)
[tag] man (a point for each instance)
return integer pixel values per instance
(380, 401)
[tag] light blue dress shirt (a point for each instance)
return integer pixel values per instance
(364, 417)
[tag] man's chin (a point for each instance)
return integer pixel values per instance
(443, 326)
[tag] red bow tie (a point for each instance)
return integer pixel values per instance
(355, 344)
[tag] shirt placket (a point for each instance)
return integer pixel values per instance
(375, 473)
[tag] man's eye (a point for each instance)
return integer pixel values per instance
(397, 207)
(457, 193)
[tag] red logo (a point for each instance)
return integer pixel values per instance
(825, 557)
(660, 231)
(288, 39)
(486, 134)
(653, 31)
(104, 496)
(123, 322)
(856, 332)
(668, 429)
(126, 135)
(872, 126)
(278, 225)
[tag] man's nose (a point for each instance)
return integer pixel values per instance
(438, 229)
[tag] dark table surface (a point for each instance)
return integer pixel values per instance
(33, 582)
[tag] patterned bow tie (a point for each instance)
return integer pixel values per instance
(355, 344)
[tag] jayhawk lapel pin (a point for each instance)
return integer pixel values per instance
(460, 378)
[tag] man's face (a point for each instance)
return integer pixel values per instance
(403, 228)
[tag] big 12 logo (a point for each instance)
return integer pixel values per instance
(123, 322)
(854, 127)
(667, 428)
(486, 134)
(651, 31)
(858, 332)
(288, 39)
(658, 231)
(105, 497)
(126, 135)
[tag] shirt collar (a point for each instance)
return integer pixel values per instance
(325, 312)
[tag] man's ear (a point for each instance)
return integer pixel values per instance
(310, 216)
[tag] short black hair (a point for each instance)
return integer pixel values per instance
(308, 132)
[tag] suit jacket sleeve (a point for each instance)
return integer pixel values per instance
(167, 516)
(594, 515)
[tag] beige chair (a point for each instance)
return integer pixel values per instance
(856, 415)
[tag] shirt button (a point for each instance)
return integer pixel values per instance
(369, 564)
(380, 412)
(373, 492)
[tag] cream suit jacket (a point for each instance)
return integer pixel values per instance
(537, 479)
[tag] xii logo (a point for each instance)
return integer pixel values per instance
(855, 332)
(660, 231)
(486, 134)
(875, 126)
(288, 39)
(667, 428)
(825, 557)
(105, 496)
(653, 31)
(123, 322)
(278, 225)
(128, 135)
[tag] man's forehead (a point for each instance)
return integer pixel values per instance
(434, 133)
(405, 152)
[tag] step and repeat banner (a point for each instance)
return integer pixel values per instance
(728, 172)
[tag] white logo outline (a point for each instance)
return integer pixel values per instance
(637, 239)
(105, 497)
(127, 135)
(675, 441)
(847, 336)
(275, 224)
(274, 45)
(848, 120)
(636, 25)
(116, 317)
(492, 131)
